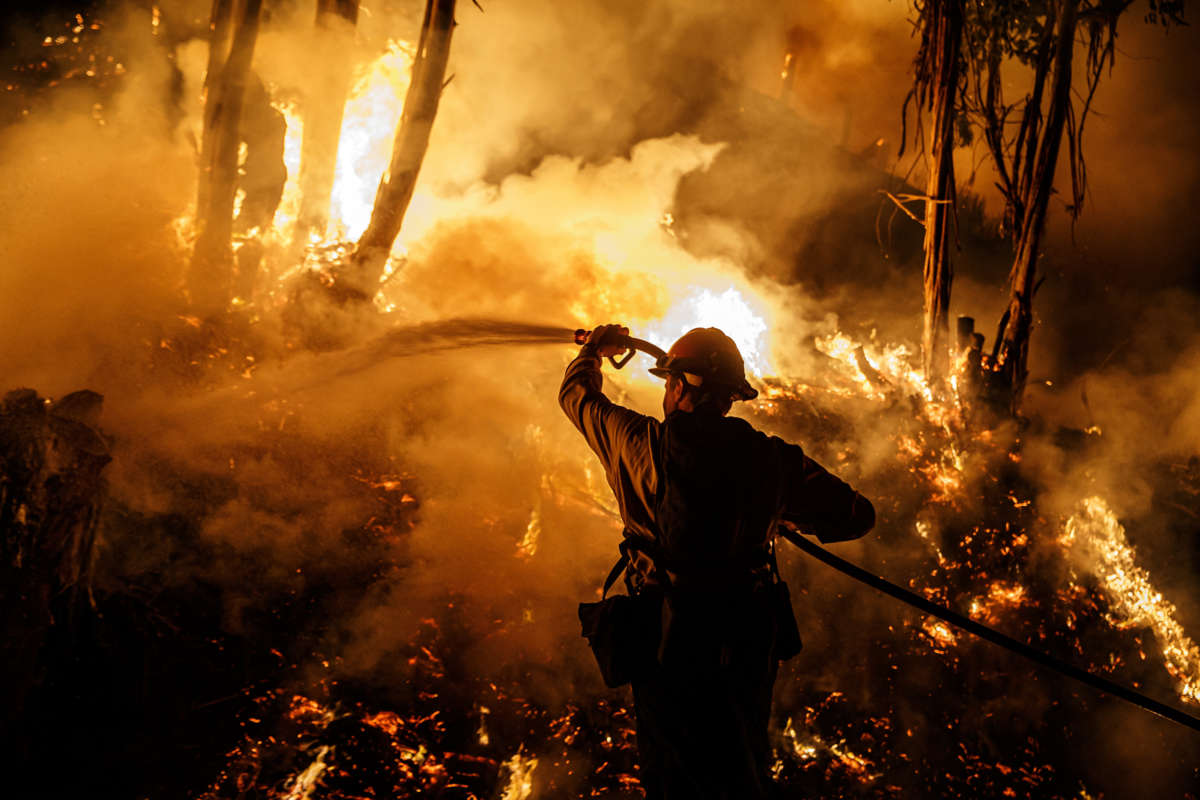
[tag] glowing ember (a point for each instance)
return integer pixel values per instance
(484, 739)
(810, 747)
(941, 634)
(289, 201)
(922, 528)
(387, 721)
(527, 547)
(1097, 538)
(804, 750)
(1000, 595)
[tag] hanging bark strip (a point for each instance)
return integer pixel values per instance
(938, 71)
(324, 109)
(412, 139)
(211, 276)
(1017, 323)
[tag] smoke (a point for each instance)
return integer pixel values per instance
(590, 163)
(91, 261)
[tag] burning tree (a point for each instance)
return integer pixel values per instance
(1023, 137)
(211, 278)
(361, 276)
(938, 72)
(226, 599)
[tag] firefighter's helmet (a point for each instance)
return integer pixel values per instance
(707, 357)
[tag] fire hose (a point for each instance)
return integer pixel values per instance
(990, 634)
(634, 345)
(941, 612)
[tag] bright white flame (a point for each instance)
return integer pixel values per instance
(308, 780)
(364, 151)
(520, 781)
(742, 317)
(289, 202)
(1095, 534)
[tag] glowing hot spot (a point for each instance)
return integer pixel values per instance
(742, 317)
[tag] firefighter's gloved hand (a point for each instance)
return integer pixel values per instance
(603, 339)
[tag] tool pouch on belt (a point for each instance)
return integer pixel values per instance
(622, 630)
(787, 632)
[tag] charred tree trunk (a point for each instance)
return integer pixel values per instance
(211, 276)
(1017, 322)
(939, 73)
(323, 112)
(412, 139)
(218, 52)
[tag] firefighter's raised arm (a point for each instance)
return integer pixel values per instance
(605, 425)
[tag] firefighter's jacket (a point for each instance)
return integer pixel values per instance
(729, 487)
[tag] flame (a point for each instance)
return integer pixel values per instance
(482, 730)
(372, 112)
(520, 781)
(310, 777)
(810, 747)
(1094, 534)
(741, 314)
(923, 529)
(293, 139)
(527, 547)
(1000, 595)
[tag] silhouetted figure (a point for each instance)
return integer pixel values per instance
(701, 494)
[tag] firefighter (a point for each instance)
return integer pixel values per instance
(701, 494)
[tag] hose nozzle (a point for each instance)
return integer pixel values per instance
(634, 345)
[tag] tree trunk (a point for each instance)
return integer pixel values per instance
(412, 139)
(218, 51)
(942, 69)
(211, 275)
(323, 111)
(1017, 323)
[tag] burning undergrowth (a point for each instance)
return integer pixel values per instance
(354, 573)
(412, 683)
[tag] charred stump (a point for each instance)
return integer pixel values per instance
(52, 458)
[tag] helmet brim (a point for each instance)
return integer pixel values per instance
(743, 391)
